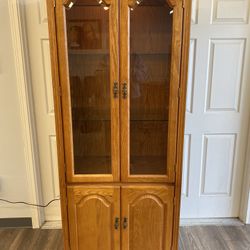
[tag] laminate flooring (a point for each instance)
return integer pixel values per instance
(191, 238)
(215, 238)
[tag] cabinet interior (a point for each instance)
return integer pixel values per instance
(89, 68)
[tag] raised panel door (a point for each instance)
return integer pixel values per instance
(94, 214)
(147, 217)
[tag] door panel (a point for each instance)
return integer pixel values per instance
(90, 105)
(92, 216)
(148, 212)
(42, 93)
(218, 108)
(149, 90)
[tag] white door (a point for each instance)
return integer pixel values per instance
(217, 109)
(40, 67)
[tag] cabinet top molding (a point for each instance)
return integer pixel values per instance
(70, 3)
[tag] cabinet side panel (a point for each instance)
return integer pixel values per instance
(58, 119)
(181, 117)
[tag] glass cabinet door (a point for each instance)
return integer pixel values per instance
(151, 34)
(88, 50)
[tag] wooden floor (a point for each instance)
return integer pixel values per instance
(215, 238)
(191, 238)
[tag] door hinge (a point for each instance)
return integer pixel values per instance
(54, 3)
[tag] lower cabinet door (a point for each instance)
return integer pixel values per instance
(94, 218)
(147, 217)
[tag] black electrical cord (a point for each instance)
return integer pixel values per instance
(29, 204)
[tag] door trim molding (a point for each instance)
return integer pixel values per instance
(244, 213)
(19, 43)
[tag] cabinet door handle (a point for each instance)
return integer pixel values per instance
(117, 223)
(124, 90)
(115, 89)
(125, 223)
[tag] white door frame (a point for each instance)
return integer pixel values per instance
(245, 198)
(28, 122)
(19, 43)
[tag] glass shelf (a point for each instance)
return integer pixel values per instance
(88, 52)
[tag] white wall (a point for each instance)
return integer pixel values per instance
(13, 180)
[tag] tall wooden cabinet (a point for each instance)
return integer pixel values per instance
(119, 76)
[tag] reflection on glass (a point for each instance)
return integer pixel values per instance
(88, 52)
(150, 61)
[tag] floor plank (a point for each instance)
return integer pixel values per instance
(215, 238)
(191, 238)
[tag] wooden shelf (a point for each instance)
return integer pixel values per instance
(143, 165)
(139, 116)
(150, 53)
(139, 165)
(88, 52)
(93, 165)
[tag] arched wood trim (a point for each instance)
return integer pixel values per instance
(67, 3)
(156, 199)
(102, 199)
(171, 3)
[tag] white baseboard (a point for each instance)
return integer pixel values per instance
(184, 222)
(214, 221)
(52, 225)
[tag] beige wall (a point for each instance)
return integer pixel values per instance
(13, 180)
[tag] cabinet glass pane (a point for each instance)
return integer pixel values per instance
(150, 62)
(89, 68)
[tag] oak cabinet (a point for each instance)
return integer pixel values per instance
(119, 77)
(140, 217)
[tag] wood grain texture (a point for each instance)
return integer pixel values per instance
(92, 213)
(86, 203)
(29, 239)
(150, 215)
(181, 115)
(124, 78)
(58, 119)
(215, 237)
(114, 77)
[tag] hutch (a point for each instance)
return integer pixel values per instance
(119, 78)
